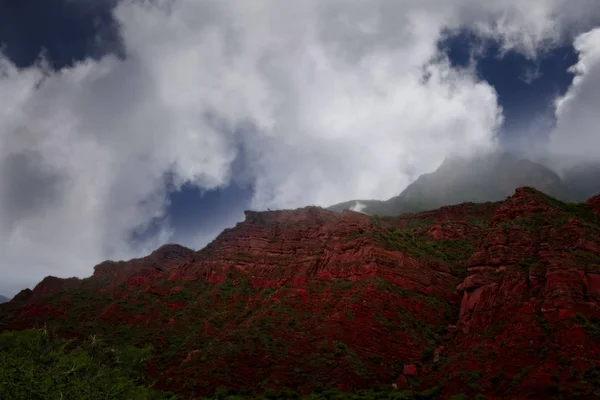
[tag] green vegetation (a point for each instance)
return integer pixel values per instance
(34, 365)
(434, 303)
(592, 377)
(423, 248)
(333, 394)
(454, 250)
(519, 377)
(569, 210)
(578, 210)
(527, 264)
(473, 379)
(478, 222)
(340, 349)
(590, 326)
(561, 213)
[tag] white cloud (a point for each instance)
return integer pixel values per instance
(358, 207)
(330, 100)
(576, 136)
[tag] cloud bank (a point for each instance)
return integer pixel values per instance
(327, 100)
(576, 136)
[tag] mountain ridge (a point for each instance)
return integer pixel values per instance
(464, 298)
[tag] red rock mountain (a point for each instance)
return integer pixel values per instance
(500, 300)
(594, 204)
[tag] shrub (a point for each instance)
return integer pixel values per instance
(33, 365)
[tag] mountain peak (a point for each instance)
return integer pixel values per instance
(172, 251)
(23, 296)
(490, 177)
(51, 285)
(527, 192)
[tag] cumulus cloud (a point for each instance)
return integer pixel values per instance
(328, 101)
(576, 137)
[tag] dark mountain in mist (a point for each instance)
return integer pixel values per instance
(582, 181)
(3, 299)
(490, 177)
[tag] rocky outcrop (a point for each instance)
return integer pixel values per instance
(51, 285)
(528, 300)
(23, 296)
(290, 248)
(142, 271)
(594, 203)
(499, 299)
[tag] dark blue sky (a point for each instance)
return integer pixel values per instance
(72, 30)
(66, 30)
(526, 88)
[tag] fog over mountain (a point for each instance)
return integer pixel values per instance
(490, 176)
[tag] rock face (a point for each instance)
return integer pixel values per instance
(530, 303)
(51, 285)
(500, 299)
(594, 204)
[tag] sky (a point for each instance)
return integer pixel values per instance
(126, 124)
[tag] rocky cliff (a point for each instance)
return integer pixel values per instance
(496, 299)
(594, 204)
